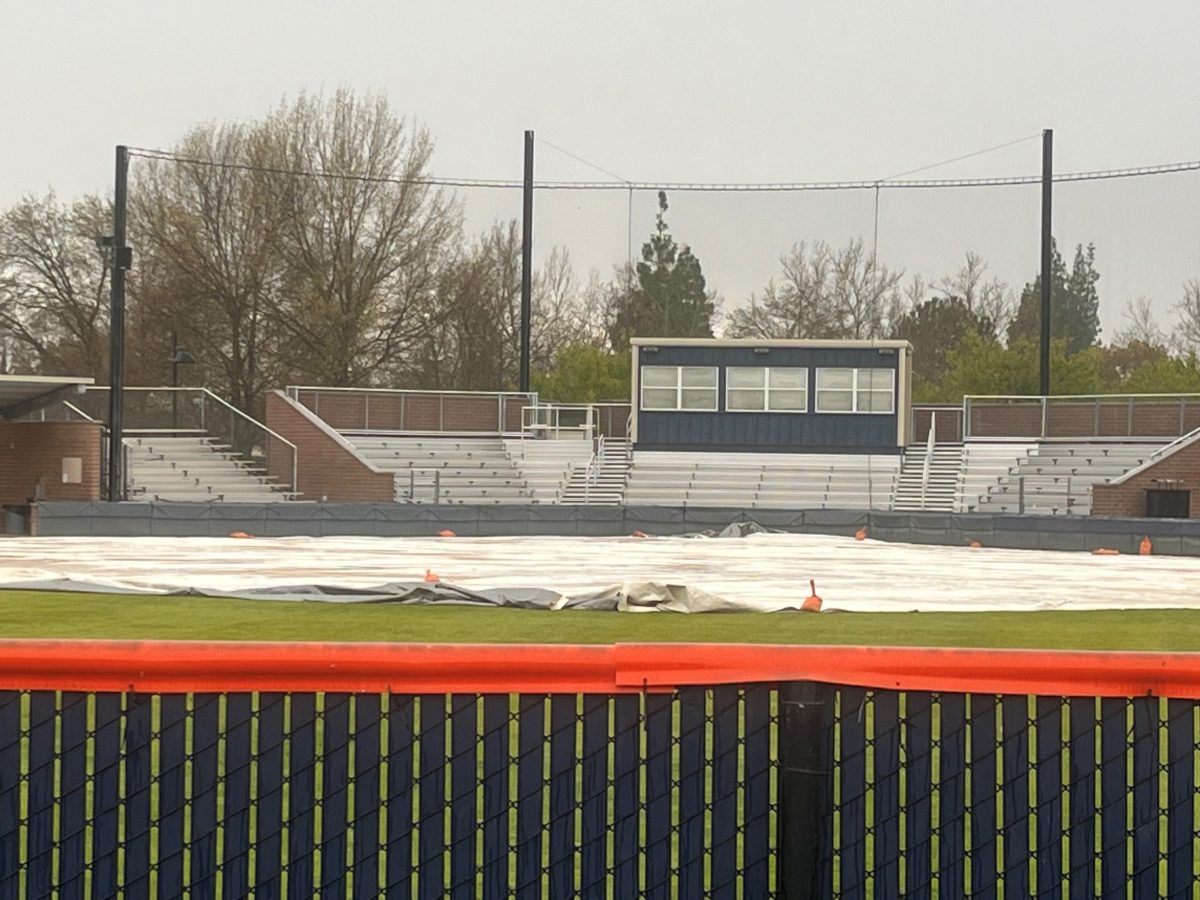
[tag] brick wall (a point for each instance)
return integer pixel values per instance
(949, 423)
(325, 467)
(33, 451)
(1108, 418)
(1129, 499)
(425, 411)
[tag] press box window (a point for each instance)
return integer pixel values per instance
(690, 388)
(856, 390)
(766, 389)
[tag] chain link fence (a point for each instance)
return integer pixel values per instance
(656, 795)
(678, 794)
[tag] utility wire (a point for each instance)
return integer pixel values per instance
(955, 159)
(590, 165)
(680, 187)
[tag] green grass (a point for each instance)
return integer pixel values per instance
(27, 614)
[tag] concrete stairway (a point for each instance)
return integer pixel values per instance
(548, 465)
(606, 487)
(945, 477)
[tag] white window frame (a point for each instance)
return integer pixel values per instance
(767, 388)
(854, 391)
(679, 389)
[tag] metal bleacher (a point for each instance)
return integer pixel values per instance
(195, 467)
(454, 470)
(1049, 478)
(763, 480)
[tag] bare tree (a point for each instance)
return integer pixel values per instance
(865, 292)
(365, 252)
(823, 293)
(1186, 336)
(1140, 325)
(479, 340)
(53, 284)
(799, 305)
(986, 298)
(214, 234)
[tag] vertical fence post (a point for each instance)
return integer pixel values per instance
(805, 752)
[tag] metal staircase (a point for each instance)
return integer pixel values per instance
(929, 478)
(602, 481)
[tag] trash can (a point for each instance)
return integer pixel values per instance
(16, 519)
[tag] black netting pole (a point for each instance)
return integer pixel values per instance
(805, 789)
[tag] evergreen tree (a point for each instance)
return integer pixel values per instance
(1074, 303)
(670, 298)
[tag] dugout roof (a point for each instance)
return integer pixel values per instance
(21, 395)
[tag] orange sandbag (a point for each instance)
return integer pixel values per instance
(1145, 548)
(638, 534)
(240, 534)
(861, 534)
(1105, 551)
(431, 577)
(447, 533)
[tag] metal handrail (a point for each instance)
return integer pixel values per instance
(1166, 450)
(532, 420)
(412, 486)
(79, 412)
(591, 474)
(1045, 403)
(293, 389)
(929, 443)
(270, 432)
(502, 398)
(206, 395)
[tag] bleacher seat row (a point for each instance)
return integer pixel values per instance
(194, 467)
(750, 480)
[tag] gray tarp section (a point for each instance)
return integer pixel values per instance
(1170, 536)
(644, 597)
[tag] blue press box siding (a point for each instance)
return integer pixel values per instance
(776, 431)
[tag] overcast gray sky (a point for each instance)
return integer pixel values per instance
(676, 92)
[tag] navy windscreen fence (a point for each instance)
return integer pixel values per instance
(686, 794)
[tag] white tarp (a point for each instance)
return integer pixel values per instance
(758, 572)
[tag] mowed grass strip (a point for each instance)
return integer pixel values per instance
(29, 614)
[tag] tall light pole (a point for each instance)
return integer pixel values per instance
(120, 261)
(1047, 258)
(526, 262)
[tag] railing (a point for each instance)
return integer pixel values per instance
(196, 409)
(950, 421)
(1144, 416)
(613, 418)
(635, 770)
(434, 484)
(62, 411)
(1153, 459)
(558, 422)
(416, 412)
(929, 445)
(594, 467)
